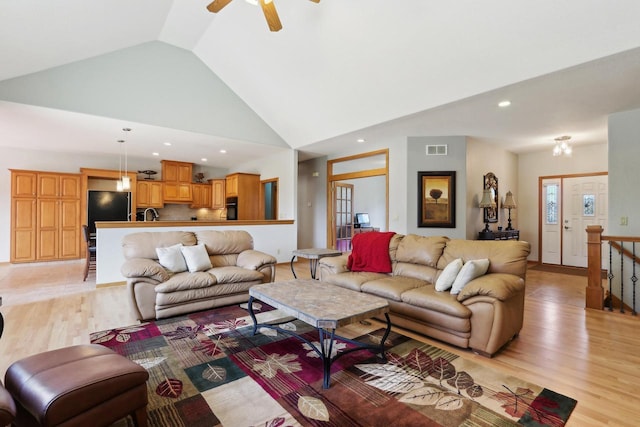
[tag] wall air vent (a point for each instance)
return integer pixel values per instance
(436, 150)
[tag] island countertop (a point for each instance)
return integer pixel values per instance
(274, 237)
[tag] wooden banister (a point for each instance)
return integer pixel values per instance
(625, 252)
(594, 292)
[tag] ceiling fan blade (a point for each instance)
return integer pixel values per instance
(270, 13)
(217, 5)
(316, 1)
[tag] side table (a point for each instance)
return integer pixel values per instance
(313, 254)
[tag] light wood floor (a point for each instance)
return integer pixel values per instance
(591, 356)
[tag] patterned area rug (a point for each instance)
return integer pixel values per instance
(206, 369)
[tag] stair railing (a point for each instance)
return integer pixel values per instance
(622, 250)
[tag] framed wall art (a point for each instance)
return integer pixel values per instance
(491, 183)
(437, 199)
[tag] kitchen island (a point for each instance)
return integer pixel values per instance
(275, 237)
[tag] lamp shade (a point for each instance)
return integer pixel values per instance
(487, 200)
(509, 203)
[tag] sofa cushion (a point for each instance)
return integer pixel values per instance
(392, 287)
(143, 267)
(417, 271)
(171, 258)
(143, 245)
(442, 302)
(225, 242)
(233, 274)
(191, 296)
(469, 271)
(186, 280)
(422, 250)
(351, 279)
(448, 275)
(196, 257)
(506, 256)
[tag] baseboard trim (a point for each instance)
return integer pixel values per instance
(110, 284)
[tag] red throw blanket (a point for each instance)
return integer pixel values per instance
(370, 252)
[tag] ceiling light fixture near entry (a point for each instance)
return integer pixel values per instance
(562, 146)
(503, 104)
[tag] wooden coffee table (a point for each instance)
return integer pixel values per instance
(325, 307)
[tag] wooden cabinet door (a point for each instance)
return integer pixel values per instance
(143, 194)
(70, 186)
(197, 196)
(24, 184)
(206, 195)
(184, 172)
(218, 198)
(155, 195)
(47, 233)
(169, 171)
(48, 185)
(231, 185)
(23, 230)
(69, 229)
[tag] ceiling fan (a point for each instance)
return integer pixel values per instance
(268, 8)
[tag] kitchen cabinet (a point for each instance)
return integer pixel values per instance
(45, 216)
(246, 188)
(218, 197)
(149, 194)
(201, 196)
(177, 178)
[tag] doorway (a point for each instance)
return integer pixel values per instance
(340, 206)
(568, 204)
(269, 199)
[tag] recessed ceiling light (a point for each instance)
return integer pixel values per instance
(223, 151)
(204, 159)
(167, 144)
(360, 140)
(155, 154)
(504, 103)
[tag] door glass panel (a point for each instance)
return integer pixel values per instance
(589, 203)
(552, 204)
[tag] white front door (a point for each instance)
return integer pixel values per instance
(551, 221)
(584, 203)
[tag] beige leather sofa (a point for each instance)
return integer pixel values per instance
(156, 292)
(484, 316)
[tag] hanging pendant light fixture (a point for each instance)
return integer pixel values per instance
(126, 181)
(119, 186)
(562, 146)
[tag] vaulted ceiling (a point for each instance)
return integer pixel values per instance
(341, 70)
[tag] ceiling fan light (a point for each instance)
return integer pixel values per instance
(557, 150)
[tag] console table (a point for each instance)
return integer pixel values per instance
(499, 235)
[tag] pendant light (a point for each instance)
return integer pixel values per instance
(126, 181)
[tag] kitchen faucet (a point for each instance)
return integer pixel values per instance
(154, 214)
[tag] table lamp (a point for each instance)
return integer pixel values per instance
(485, 203)
(509, 203)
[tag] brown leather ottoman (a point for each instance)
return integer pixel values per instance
(84, 385)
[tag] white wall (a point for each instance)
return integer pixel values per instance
(481, 159)
(624, 153)
(531, 166)
(13, 158)
(284, 166)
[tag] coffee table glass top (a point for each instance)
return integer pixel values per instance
(319, 304)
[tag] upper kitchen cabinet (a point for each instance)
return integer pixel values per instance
(245, 187)
(218, 200)
(150, 194)
(177, 178)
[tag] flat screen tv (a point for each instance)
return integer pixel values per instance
(362, 220)
(107, 206)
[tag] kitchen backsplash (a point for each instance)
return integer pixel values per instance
(177, 212)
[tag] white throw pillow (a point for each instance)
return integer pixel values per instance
(197, 257)
(448, 275)
(469, 271)
(171, 258)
